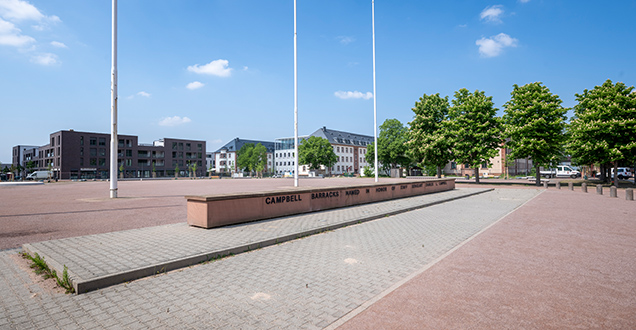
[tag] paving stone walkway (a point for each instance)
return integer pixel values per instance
(307, 283)
(96, 261)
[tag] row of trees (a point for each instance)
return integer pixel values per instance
(534, 125)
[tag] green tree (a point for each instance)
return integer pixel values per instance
(535, 124)
(474, 128)
(121, 170)
(244, 157)
(392, 149)
(193, 169)
(259, 158)
(19, 169)
(429, 143)
(12, 170)
(30, 165)
(176, 171)
(316, 151)
(603, 129)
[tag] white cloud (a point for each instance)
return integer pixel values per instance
(58, 44)
(19, 10)
(144, 94)
(524, 1)
(174, 121)
(353, 95)
(492, 14)
(245, 68)
(345, 40)
(215, 68)
(10, 35)
(195, 85)
(493, 46)
(45, 59)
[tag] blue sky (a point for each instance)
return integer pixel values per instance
(219, 69)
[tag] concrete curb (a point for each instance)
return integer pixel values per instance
(83, 286)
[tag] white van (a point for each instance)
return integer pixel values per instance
(623, 173)
(40, 175)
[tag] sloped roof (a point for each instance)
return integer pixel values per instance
(343, 138)
(237, 143)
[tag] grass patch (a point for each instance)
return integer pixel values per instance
(41, 268)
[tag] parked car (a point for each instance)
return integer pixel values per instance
(623, 173)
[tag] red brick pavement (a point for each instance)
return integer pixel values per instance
(563, 260)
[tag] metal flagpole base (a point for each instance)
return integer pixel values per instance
(113, 193)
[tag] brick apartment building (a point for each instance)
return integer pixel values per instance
(86, 155)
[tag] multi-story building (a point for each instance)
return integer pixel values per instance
(22, 155)
(350, 150)
(224, 159)
(86, 155)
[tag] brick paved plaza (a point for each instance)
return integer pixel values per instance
(506, 258)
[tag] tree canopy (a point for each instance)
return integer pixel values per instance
(252, 158)
(603, 129)
(429, 143)
(392, 149)
(316, 151)
(474, 128)
(535, 125)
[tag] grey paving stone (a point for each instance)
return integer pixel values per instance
(306, 283)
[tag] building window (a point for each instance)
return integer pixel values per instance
(93, 141)
(180, 155)
(102, 141)
(128, 162)
(82, 151)
(128, 153)
(174, 146)
(484, 165)
(81, 161)
(52, 142)
(128, 144)
(93, 161)
(102, 152)
(93, 152)
(102, 161)
(81, 140)
(200, 147)
(180, 145)
(453, 166)
(187, 146)
(121, 143)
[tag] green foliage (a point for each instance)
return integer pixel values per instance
(368, 171)
(316, 151)
(252, 158)
(259, 158)
(30, 165)
(41, 268)
(474, 129)
(535, 124)
(392, 149)
(429, 143)
(603, 129)
(244, 157)
(121, 167)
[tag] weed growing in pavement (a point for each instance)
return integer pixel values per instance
(41, 268)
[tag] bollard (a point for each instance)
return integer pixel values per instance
(613, 191)
(558, 184)
(629, 194)
(584, 187)
(599, 189)
(545, 184)
(571, 185)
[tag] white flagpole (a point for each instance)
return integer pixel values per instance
(113, 109)
(295, 101)
(375, 111)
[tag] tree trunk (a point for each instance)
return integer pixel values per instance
(538, 176)
(439, 172)
(477, 174)
(616, 174)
